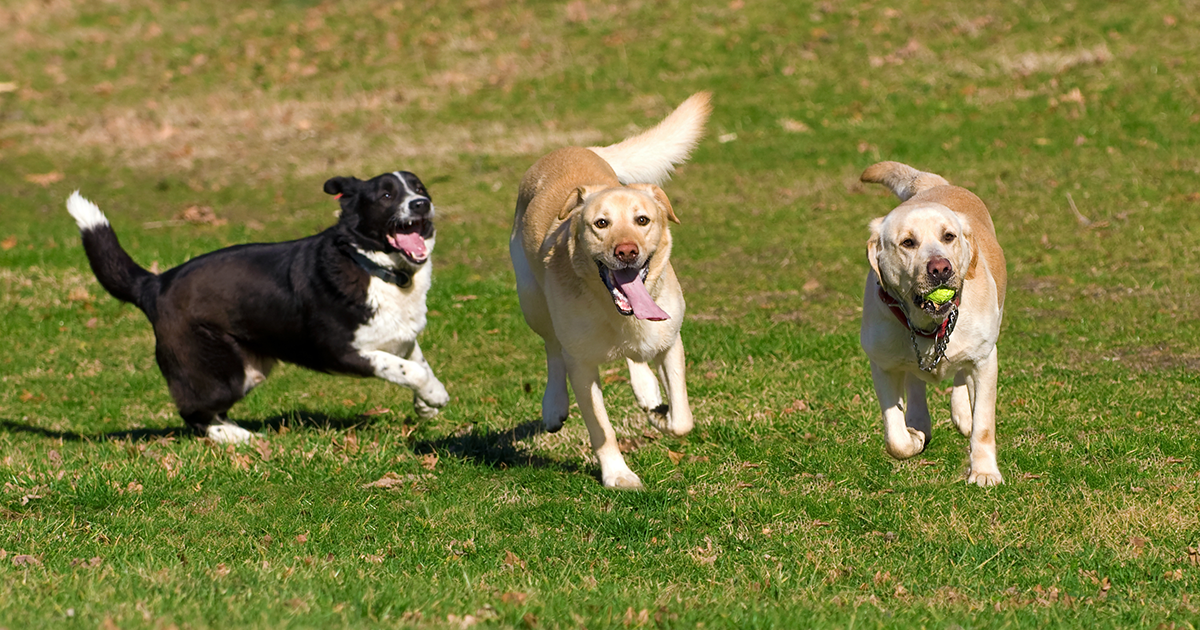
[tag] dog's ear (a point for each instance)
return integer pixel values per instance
(874, 245)
(972, 253)
(341, 185)
(660, 198)
(576, 199)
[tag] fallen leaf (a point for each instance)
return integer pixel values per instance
(302, 538)
(511, 559)
(44, 179)
(8, 243)
(794, 126)
(674, 457)
(513, 598)
(372, 559)
(376, 411)
(429, 461)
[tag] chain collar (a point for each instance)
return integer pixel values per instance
(940, 336)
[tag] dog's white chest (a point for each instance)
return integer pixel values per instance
(399, 315)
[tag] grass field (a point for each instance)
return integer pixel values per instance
(781, 508)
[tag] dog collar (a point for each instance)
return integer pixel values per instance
(402, 279)
(940, 335)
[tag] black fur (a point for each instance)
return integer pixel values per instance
(298, 301)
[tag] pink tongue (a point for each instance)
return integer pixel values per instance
(411, 244)
(629, 282)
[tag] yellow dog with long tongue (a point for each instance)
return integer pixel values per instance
(591, 249)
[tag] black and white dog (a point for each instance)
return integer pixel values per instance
(349, 300)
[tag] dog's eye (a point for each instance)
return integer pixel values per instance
(601, 223)
(387, 194)
(908, 243)
(643, 220)
(949, 237)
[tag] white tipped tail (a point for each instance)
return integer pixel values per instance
(87, 214)
(902, 179)
(651, 156)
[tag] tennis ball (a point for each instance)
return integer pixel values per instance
(940, 296)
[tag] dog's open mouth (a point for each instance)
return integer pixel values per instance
(629, 293)
(408, 237)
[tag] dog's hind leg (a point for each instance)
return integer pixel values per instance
(916, 409)
(556, 403)
(902, 442)
(645, 391)
(960, 402)
(206, 374)
(671, 366)
(614, 472)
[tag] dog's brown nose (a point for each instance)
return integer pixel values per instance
(939, 269)
(626, 252)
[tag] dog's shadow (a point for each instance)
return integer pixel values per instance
(294, 419)
(496, 449)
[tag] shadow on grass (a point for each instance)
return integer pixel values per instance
(498, 449)
(294, 419)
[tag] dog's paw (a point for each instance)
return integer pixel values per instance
(228, 433)
(909, 444)
(985, 478)
(623, 480)
(553, 424)
(434, 394)
(676, 424)
(423, 410)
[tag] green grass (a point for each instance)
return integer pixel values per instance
(778, 514)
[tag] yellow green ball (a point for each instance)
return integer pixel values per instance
(940, 296)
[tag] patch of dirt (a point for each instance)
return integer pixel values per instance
(273, 138)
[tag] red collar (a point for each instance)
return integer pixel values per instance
(894, 306)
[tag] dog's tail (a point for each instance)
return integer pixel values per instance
(903, 179)
(116, 271)
(651, 156)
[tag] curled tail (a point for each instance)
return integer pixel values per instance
(118, 274)
(903, 179)
(651, 156)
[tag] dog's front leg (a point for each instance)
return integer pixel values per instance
(902, 442)
(984, 469)
(585, 382)
(671, 367)
(433, 395)
(411, 374)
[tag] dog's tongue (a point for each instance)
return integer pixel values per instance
(629, 282)
(412, 244)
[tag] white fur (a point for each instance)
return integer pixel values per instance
(650, 157)
(389, 339)
(257, 371)
(87, 215)
(228, 433)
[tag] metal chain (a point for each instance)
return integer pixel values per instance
(940, 342)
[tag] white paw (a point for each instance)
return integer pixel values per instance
(423, 411)
(907, 445)
(434, 394)
(985, 478)
(622, 480)
(228, 434)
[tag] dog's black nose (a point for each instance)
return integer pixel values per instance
(419, 206)
(939, 269)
